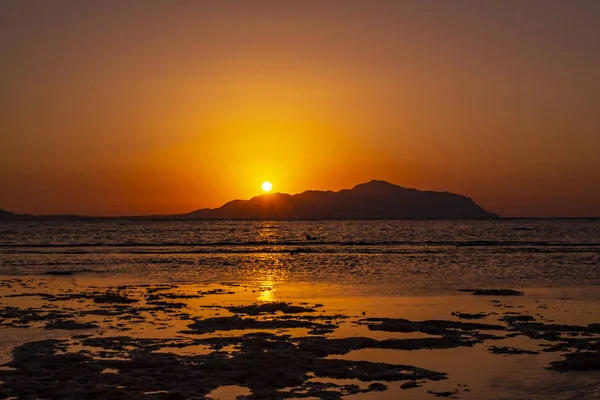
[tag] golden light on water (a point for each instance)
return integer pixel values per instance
(270, 269)
(267, 186)
(267, 292)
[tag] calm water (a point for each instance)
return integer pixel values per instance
(384, 269)
(400, 257)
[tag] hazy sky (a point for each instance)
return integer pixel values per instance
(115, 107)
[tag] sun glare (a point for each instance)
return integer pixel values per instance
(266, 186)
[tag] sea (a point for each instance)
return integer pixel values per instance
(398, 257)
(352, 272)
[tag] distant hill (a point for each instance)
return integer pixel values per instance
(372, 200)
(8, 215)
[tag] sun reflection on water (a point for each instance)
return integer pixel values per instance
(271, 268)
(268, 231)
(267, 292)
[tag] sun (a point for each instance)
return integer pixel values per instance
(266, 186)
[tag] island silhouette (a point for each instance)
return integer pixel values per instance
(372, 200)
(6, 214)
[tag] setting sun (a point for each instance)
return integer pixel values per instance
(267, 186)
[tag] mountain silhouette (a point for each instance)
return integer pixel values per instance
(8, 215)
(371, 200)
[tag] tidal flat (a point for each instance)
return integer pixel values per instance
(66, 337)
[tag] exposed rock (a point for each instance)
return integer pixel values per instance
(512, 319)
(410, 385)
(470, 316)
(510, 350)
(579, 361)
(113, 298)
(433, 327)
(443, 394)
(269, 308)
(70, 325)
(166, 304)
(215, 291)
(493, 292)
(60, 273)
(377, 387)
(267, 367)
(236, 323)
(538, 330)
(579, 344)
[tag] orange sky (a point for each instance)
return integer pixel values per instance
(114, 108)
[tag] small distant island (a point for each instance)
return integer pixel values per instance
(371, 200)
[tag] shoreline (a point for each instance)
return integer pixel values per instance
(202, 323)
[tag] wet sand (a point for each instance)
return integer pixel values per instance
(76, 337)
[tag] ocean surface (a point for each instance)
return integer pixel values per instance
(140, 282)
(399, 257)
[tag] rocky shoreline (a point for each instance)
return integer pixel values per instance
(185, 341)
